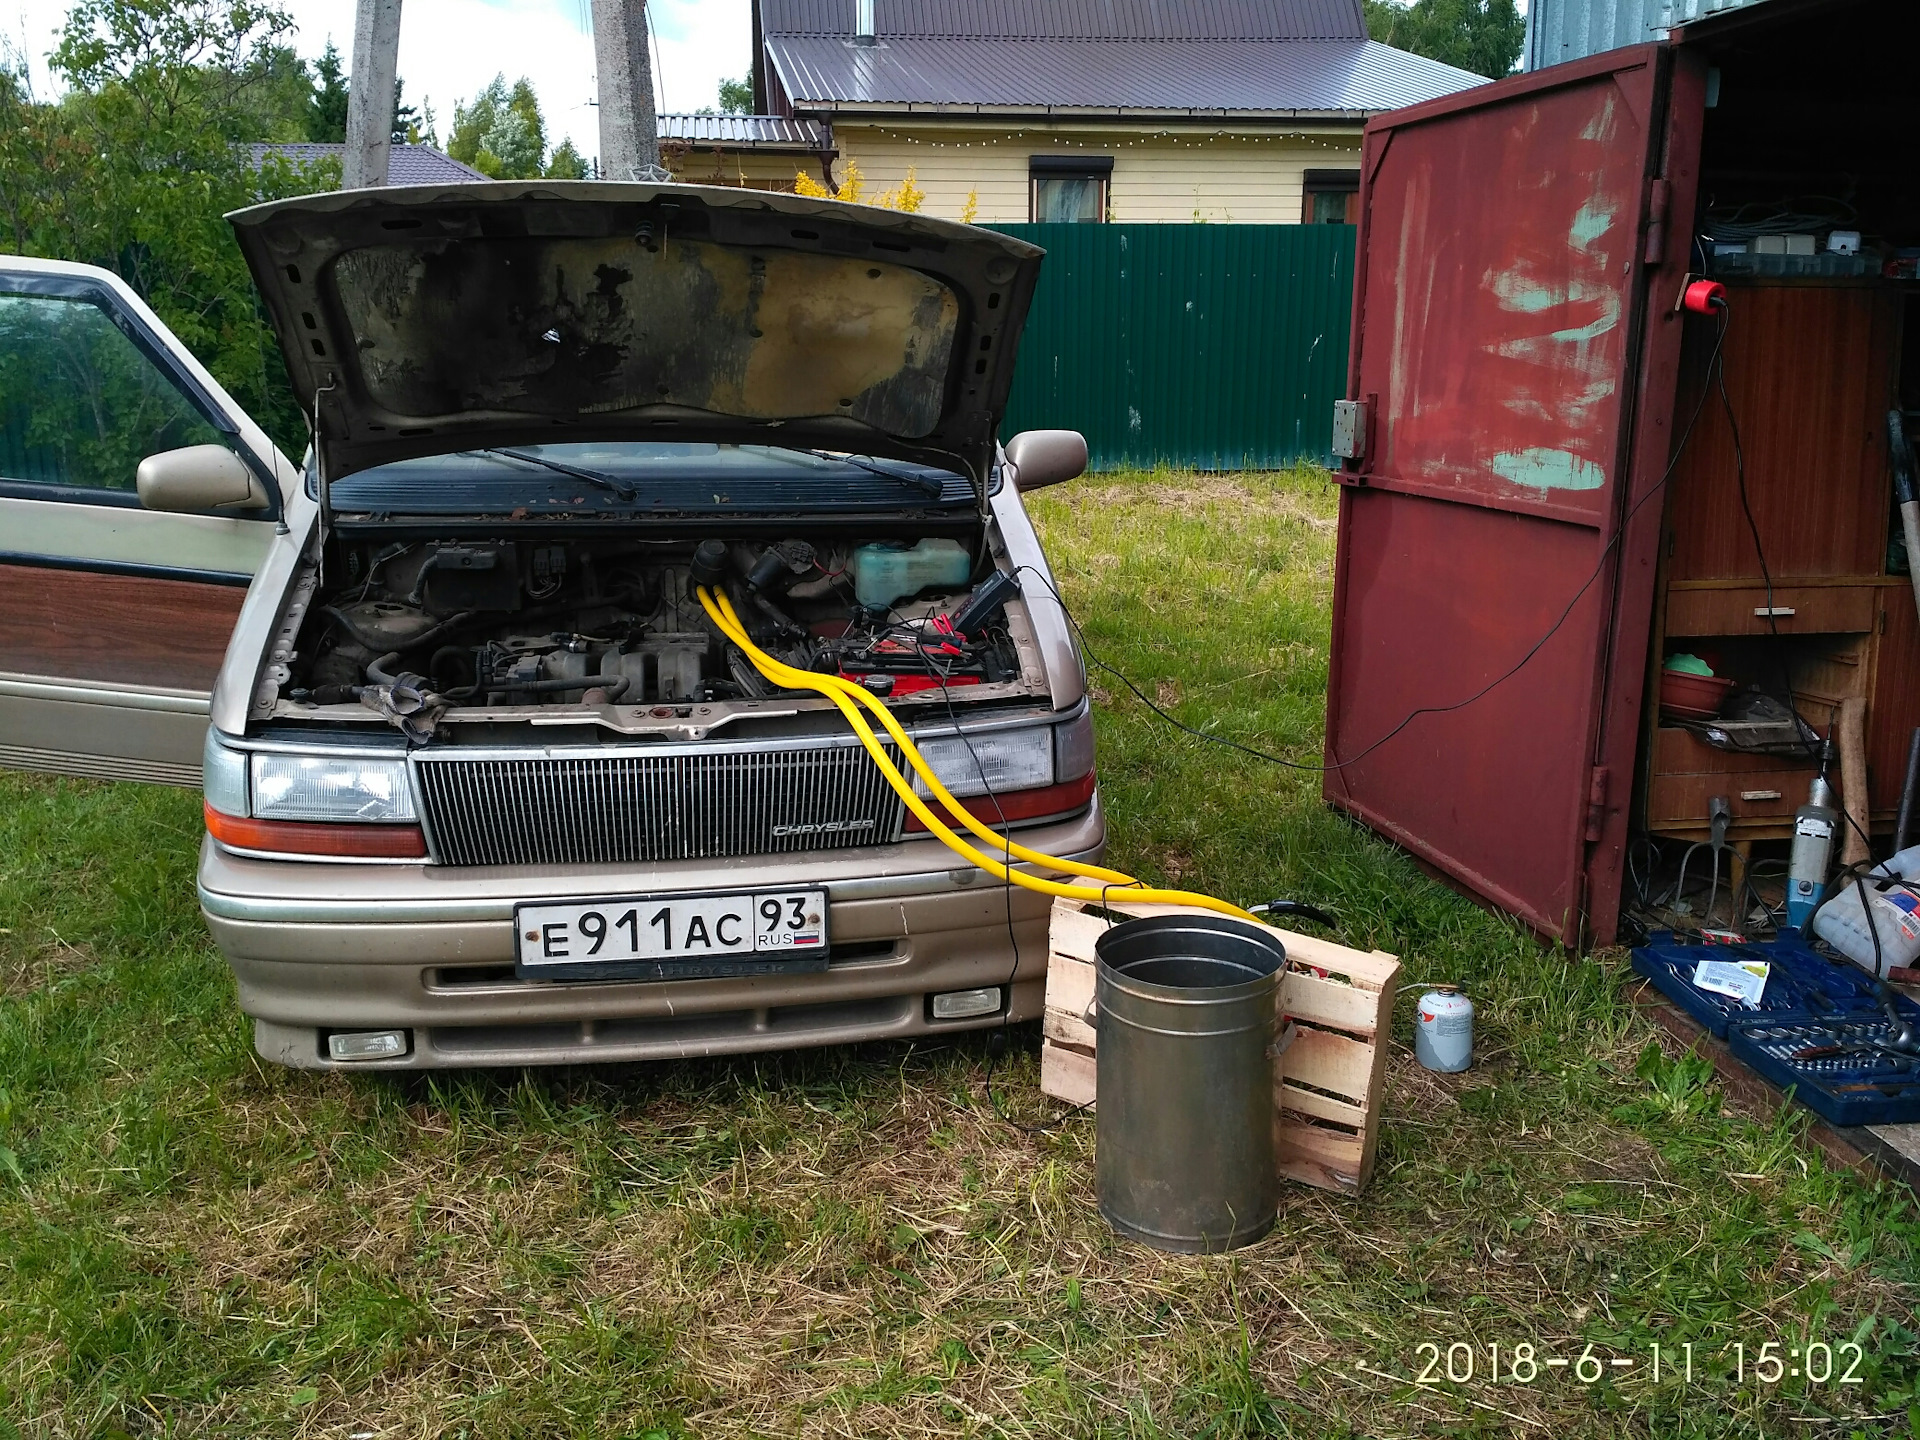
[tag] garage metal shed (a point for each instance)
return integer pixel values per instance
(1527, 529)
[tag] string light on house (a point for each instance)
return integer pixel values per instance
(1178, 139)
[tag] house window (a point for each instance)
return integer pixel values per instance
(1068, 189)
(1331, 197)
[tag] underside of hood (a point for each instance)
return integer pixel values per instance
(424, 320)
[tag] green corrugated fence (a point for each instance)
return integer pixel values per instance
(1217, 347)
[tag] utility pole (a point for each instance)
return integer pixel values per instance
(376, 60)
(629, 129)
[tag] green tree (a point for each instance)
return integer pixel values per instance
(408, 125)
(736, 97)
(1484, 36)
(136, 165)
(501, 131)
(327, 107)
(273, 98)
(566, 163)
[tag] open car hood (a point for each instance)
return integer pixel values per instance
(428, 319)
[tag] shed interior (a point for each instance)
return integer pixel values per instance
(1782, 564)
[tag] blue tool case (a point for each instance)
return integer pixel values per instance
(1857, 1086)
(1799, 982)
(1820, 1030)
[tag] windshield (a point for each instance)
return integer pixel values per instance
(624, 477)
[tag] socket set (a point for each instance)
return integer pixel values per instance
(1845, 1071)
(1800, 983)
(1821, 1029)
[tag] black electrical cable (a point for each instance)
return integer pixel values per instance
(1781, 652)
(1873, 930)
(997, 1041)
(1599, 568)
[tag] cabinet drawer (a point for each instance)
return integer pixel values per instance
(1756, 795)
(1687, 774)
(1817, 610)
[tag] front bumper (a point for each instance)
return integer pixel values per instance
(430, 949)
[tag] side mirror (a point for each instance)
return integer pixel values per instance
(197, 478)
(1046, 457)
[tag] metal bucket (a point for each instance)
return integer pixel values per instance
(1184, 1124)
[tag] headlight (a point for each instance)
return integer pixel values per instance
(995, 761)
(321, 787)
(1073, 748)
(223, 776)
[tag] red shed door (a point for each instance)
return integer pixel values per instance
(1495, 337)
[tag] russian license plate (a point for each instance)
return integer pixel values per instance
(673, 936)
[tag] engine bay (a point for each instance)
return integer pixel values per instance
(417, 632)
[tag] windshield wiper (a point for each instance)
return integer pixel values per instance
(592, 477)
(927, 485)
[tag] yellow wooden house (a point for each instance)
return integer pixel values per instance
(1003, 111)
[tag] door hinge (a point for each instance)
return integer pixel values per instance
(1596, 802)
(1350, 429)
(1658, 204)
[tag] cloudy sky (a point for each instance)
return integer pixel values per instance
(451, 48)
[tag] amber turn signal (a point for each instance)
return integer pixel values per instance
(295, 837)
(1013, 806)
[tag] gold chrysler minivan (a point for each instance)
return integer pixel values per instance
(484, 784)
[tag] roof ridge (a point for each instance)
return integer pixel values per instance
(1267, 76)
(885, 37)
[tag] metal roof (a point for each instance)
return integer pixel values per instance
(748, 132)
(1075, 19)
(1560, 30)
(406, 164)
(1333, 78)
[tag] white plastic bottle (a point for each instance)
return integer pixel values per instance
(1895, 912)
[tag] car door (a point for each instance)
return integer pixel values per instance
(114, 619)
(1509, 240)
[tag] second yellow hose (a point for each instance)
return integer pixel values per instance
(849, 697)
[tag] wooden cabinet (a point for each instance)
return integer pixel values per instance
(1811, 371)
(1796, 609)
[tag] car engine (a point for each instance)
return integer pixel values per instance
(442, 625)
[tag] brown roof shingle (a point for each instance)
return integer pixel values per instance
(1144, 58)
(406, 164)
(1076, 19)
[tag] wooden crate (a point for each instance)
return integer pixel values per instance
(1327, 1083)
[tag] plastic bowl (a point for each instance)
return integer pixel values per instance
(1693, 697)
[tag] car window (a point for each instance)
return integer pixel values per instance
(81, 405)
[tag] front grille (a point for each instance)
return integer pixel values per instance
(636, 808)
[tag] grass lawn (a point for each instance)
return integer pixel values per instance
(850, 1242)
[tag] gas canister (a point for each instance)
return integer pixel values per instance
(1443, 1030)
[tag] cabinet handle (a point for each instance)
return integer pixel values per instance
(1775, 613)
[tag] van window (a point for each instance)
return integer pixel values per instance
(81, 405)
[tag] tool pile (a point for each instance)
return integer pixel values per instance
(1844, 1045)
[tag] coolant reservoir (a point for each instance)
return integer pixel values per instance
(884, 574)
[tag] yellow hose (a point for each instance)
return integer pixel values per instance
(730, 623)
(848, 696)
